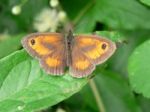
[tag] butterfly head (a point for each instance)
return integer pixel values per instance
(70, 36)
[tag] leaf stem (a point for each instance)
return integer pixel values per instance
(97, 96)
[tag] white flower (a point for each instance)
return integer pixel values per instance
(62, 16)
(16, 10)
(47, 20)
(54, 3)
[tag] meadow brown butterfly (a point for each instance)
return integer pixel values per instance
(81, 53)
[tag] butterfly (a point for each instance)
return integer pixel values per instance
(80, 53)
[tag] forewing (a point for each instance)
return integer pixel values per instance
(49, 48)
(95, 48)
(41, 44)
(80, 64)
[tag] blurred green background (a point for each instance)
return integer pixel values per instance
(120, 85)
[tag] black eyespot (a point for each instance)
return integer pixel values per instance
(104, 46)
(32, 41)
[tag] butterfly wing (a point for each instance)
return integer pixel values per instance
(49, 48)
(93, 50)
(80, 64)
(96, 48)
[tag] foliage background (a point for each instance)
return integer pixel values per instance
(119, 85)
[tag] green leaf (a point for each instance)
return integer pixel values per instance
(146, 2)
(144, 103)
(115, 36)
(81, 100)
(73, 10)
(115, 94)
(25, 87)
(138, 68)
(117, 14)
(24, 21)
(119, 61)
(10, 45)
(112, 35)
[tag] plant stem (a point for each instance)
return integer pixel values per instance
(97, 96)
(83, 11)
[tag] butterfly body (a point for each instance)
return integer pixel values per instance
(69, 44)
(81, 53)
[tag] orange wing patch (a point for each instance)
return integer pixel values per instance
(85, 41)
(51, 39)
(79, 61)
(38, 47)
(53, 62)
(97, 51)
(42, 44)
(97, 47)
(81, 64)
